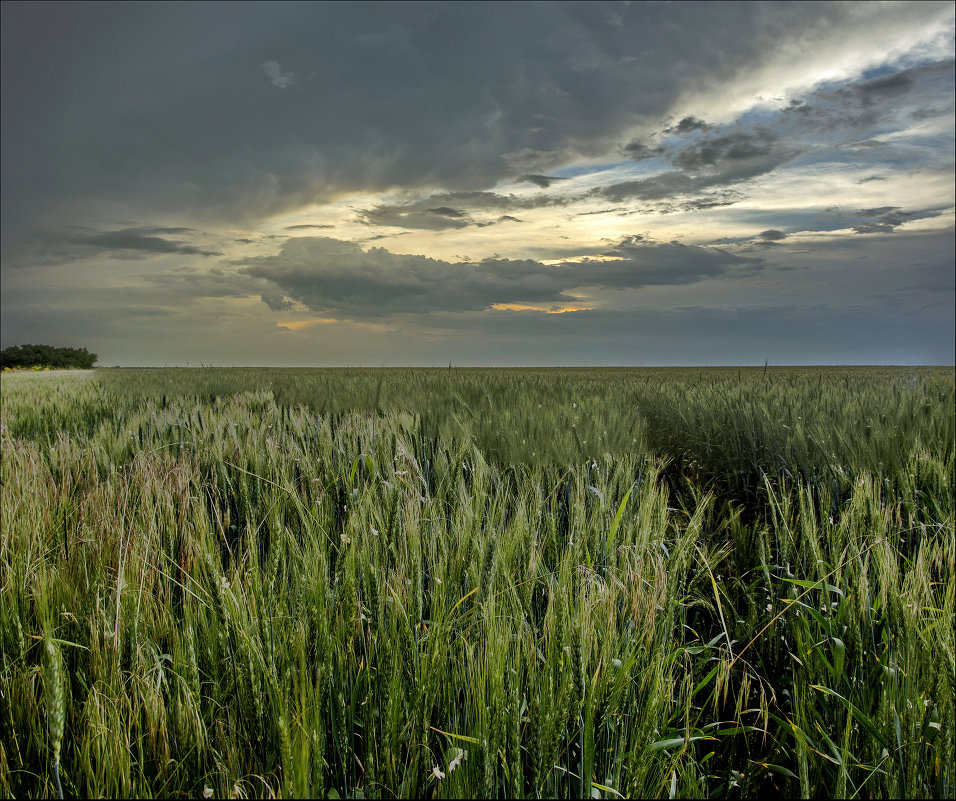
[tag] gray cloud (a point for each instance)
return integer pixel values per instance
(339, 278)
(544, 181)
(709, 163)
(709, 157)
(663, 185)
(885, 219)
(772, 235)
(277, 302)
(886, 86)
(711, 200)
(223, 118)
(173, 114)
(447, 211)
(64, 246)
(414, 216)
(139, 240)
(688, 125)
(306, 226)
(641, 152)
(920, 114)
(859, 105)
(734, 147)
(443, 211)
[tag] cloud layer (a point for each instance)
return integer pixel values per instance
(340, 278)
(536, 173)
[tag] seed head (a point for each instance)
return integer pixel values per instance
(53, 686)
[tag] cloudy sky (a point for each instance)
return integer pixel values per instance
(483, 184)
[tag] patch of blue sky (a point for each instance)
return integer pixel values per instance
(761, 115)
(832, 158)
(577, 170)
(887, 68)
(793, 221)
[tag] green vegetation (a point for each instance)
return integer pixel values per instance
(447, 583)
(40, 356)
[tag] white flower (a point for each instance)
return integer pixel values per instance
(437, 773)
(207, 792)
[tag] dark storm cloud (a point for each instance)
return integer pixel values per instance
(710, 157)
(720, 150)
(339, 278)
(447, 211)
(64, 246)
(859, 104)
(237, 112)
(544, 181)
(663, 185)
(688, 125)
(771, 238)
(877, 89)
(641, 152)
(885, 219)
(138, 239)
(709, 163)
(712, 200)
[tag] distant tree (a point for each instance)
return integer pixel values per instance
(46, 356)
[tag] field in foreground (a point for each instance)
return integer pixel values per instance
(448, 583)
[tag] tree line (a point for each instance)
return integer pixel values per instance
(46, 356)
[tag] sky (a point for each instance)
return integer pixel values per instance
(506, 184)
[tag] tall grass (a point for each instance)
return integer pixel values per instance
(477, 583)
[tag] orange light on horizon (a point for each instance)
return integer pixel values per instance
(545, 309)
(298, 325)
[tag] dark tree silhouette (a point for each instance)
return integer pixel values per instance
(46, 356)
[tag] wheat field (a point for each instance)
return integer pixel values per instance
(555, 583)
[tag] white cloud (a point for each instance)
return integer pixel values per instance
(857, 37)
(273, 71)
